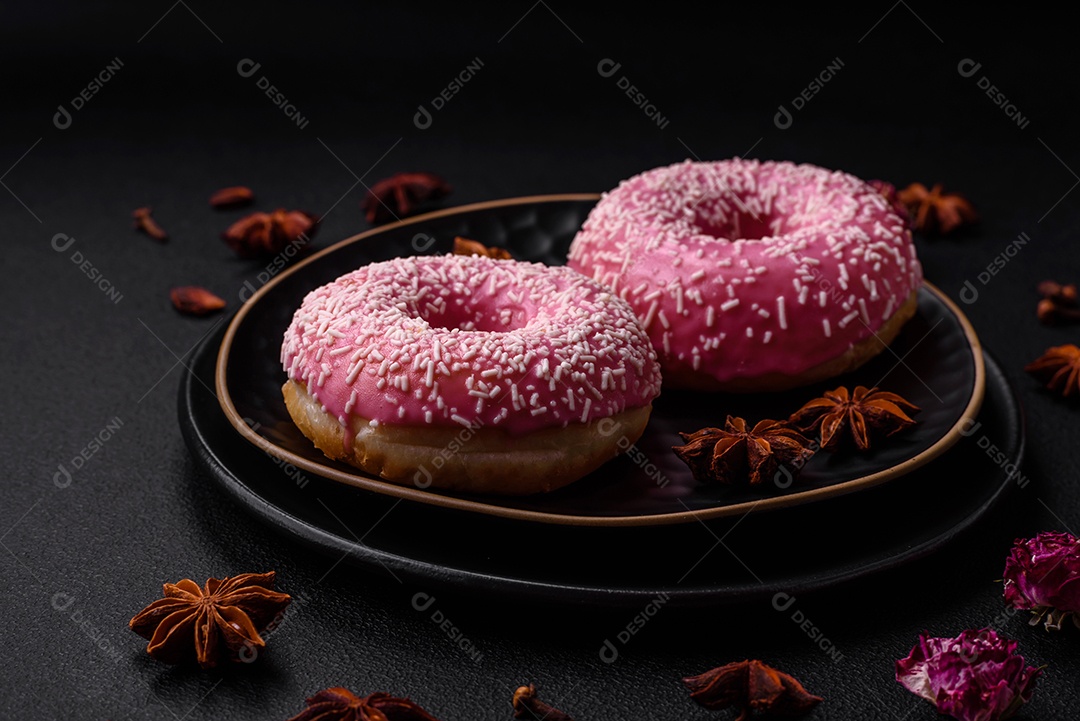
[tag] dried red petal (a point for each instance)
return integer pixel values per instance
(751, 686)
(146, 223)
(232, 197)
(195, 300)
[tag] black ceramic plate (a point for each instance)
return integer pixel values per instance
(717, 561)
(934, 362)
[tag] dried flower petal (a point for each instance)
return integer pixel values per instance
(751, 686)
(341, 704)
(265, 234)
(977, 676)
(396, 197)
(464, 246)
(935, 211)
(1059, 369)
(206, 625)
(1042, 575)
(865, 414)
(232, 197)
(146, 223)
(195, 300)
(733, 453)
(528, 706)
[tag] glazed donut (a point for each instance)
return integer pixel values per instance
(754, 276)
(469, 373)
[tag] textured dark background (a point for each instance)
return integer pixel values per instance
(177, 121)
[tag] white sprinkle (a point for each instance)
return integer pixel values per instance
(825, 325)
(645, 323)
(781, 314)
(749, 331)
(865, 313)
(767, 337)
(663, 319)
(455, 417)
(698, 274)
(710, 316)
(803, 293)
(729, 304)
(848, 318)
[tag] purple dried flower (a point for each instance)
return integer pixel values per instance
(977, 676)
(1042, 574)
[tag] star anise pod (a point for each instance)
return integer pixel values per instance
(464, 246)
(528, 706)
(263, 234)
(751, 686)
(891, 194)
(206, 625)
(1059, 369)
(341, 704)
(733, 453)
(395, 197)
(866, 413)
(935, 211)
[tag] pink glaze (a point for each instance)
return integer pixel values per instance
(448, 340)
(741, 268)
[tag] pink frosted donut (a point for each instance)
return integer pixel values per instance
(753, 275)
(467, 372)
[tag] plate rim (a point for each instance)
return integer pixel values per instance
(376, 485)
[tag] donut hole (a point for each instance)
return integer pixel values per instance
(473, 313)
(737, 224)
